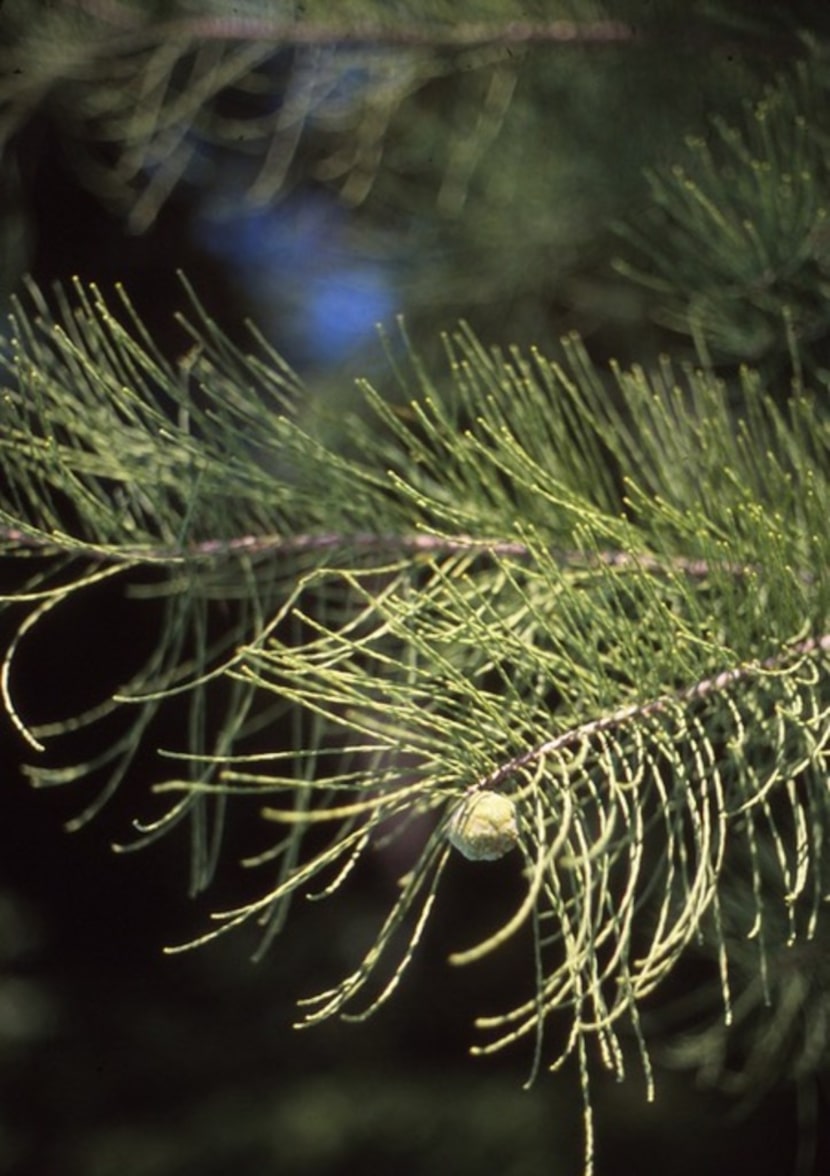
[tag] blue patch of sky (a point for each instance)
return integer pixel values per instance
(317, 296)
(317, 283)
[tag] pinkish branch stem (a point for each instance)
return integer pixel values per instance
(706, 686)
(415, 33)
(383, 543)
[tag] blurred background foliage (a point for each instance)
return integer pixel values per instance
(321, 168)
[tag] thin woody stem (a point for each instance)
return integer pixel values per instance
(706, 686)
(126, 21)
(380, 542)
(417, 32)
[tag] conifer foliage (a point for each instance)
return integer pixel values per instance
(522, 609)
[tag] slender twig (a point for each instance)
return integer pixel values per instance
(381, 542)
(706, 686)
(432, 35)
(416, 32)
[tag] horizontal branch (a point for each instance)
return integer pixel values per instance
(383, 543)
(703, 688)
(413, 33)
(687, 36)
